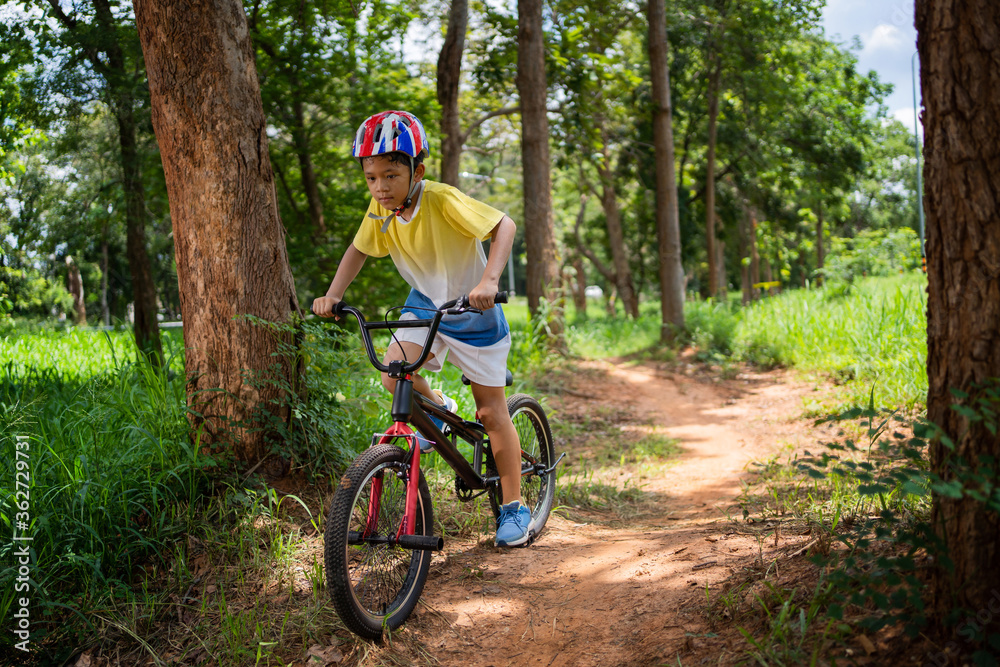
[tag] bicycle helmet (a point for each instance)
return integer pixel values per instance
(390, 132)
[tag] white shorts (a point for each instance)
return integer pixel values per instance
(485, 366)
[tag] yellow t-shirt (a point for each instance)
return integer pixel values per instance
(438, 252)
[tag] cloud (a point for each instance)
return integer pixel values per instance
(884, 37)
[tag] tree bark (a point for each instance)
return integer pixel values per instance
(668, 234)
(539, 234)
(105, 311)
(820, 252)
(616, 237)
(959, 46)
(229, 241)
(720, 268)
(580, 293)
(147, 330)
(300, 139)
(75, 288)
(713, 117)
(120, 86)
(449, 74)
(754, 257)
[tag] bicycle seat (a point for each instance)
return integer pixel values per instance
(510, 379)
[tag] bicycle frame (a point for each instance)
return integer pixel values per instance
(410, 407)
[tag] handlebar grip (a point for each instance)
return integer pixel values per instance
(501, 297)
(339, 309)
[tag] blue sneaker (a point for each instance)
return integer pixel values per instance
(448, 404)
(512, 527)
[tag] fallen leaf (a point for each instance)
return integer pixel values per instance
(866, 644)
(84, 660)
(323, 656)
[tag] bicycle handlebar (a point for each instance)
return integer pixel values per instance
(453, 307)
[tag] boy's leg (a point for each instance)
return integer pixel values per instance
(407, 350)
(491, 404)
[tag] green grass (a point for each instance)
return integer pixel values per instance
(874, 336)
(118, 487)
(72, 354)
(112, 476)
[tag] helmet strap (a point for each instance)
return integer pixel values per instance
(413, 187)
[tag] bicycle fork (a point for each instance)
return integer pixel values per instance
(401, 410)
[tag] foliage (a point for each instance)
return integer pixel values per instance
(871, 501)
(334, 413)
(873, 252)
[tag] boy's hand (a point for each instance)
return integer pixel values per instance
(482, 296)
(323, 306)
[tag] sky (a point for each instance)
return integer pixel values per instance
(888, 41)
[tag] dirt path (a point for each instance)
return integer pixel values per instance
(612, 592)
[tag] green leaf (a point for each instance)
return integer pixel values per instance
(952, 489)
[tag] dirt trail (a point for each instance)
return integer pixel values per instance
(606, 592)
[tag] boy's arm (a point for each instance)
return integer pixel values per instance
(502, 240)
(348, 270)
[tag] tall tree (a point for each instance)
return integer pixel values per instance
(960, 82)
(230, 245)
(714, 75)
(539, 238)
(104, 42)
(449, 75)
(598, 47)
(668, 232)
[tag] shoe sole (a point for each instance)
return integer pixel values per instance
(528, 539)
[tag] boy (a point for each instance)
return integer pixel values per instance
(433, 233)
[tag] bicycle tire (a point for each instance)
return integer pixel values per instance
(537, 491)
(375, 586)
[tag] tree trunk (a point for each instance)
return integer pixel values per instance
(120, 85)
(744, 252)
(75, 288)
(720, 268)
(105, 311)
(960, 82)
(302, 150)
(147, 330)
(539, 235)
(449, 74)
(580, 293)
(754, 258)
(668, 230)
(820, 253)
(229, 242)
(616, 237)
(713, 118)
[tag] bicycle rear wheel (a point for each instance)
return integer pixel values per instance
(375, 585)
(538, 479)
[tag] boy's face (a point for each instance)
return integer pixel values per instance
(389, 182)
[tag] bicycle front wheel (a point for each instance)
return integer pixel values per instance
(375, 584)
(538, 477)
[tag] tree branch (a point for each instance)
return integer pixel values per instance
(506, 111)
(587, 252)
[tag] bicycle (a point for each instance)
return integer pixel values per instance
(380, 529)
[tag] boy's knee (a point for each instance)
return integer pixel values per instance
(492, 417)
(388, 382)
